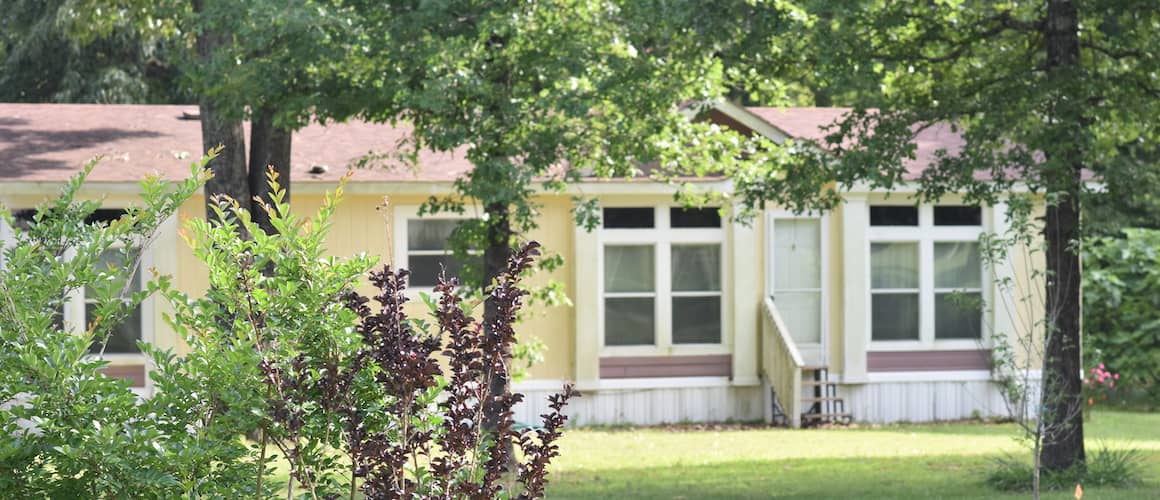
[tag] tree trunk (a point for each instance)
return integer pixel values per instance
(269, 146)
(229, 168)
(495, 258)
(1062, 397)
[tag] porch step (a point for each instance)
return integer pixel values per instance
(818, 400)
(824, 405)
(826, 416)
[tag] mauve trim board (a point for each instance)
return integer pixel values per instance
(717, 365)
(906, 361)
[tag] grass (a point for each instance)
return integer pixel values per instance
(905, 461)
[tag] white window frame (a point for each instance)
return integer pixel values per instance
(662, 237)
(926, 234)
(74, 304)
(771, 218)
(401, 255)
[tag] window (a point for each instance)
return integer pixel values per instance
(662, 276)
(77, 312)
(424, 249)
(926, 277)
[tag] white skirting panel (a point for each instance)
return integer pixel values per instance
(649, 406)
(927, 401)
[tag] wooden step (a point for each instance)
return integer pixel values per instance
(814, 368)
(819, 400)
(817, 383)
(824, 416)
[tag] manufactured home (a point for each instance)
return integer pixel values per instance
(679, 315)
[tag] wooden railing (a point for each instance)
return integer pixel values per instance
(781, 363)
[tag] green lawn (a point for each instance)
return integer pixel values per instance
(910, 461)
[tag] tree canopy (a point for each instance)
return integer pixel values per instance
(1046, 95)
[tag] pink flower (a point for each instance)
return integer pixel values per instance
(1116, 376)
(1111, 384)
(1101, 366)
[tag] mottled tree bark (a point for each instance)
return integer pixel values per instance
(269, 147)
(495, 258)
(218, 129)
(1062, 391)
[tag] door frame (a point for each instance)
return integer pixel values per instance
(813, 354)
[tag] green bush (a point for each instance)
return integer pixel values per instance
(1121, 300)
(281, 349)
(1106, 467)
(66, 430)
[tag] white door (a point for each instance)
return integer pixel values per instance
(796, 281)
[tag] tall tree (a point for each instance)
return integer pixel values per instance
(545, 93)
(1044, 94)
(40, 60)
(277, 64)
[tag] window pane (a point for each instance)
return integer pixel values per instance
(628, 269)
(894, 316)
(628, 218)
(113, 260)
(425, 269)
(950, 215)
(894, 265)
(696, 320)
(696, 268)
(802, 313)
(429, 234)
(888, 215)
(797, 254)
(104, 216)
(957, 265)
(958, 315)
(123, 337)
(629, 321)
(694, 217)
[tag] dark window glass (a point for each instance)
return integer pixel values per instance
(104, 216)
(694, 217)
(894, 316)
(696, 320)
(425, 269)
(429, 234)
(958, 315)
(629, 321)
(23, 218)
(628, 218)
(893, 215)
(123, 337)
(952, 215)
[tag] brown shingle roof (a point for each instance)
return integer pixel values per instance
(50, 142)
(810, 123)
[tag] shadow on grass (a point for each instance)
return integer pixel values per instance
(928, 477)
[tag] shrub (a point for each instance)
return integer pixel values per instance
(1121, 295)
(1106, 467)
(67, 430)
(280, 348)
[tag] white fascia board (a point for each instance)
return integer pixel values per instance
(642, 187)
(595, 187)
(754, 122)
(909, 187)
(54, 187)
